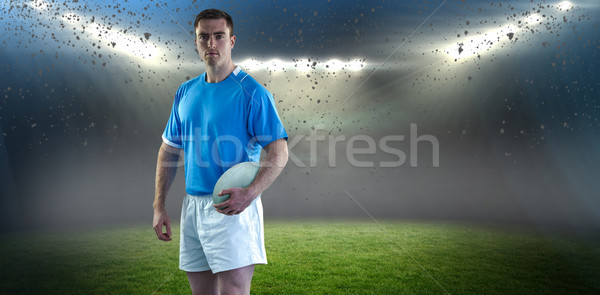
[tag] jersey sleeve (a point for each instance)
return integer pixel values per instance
(173, 133)
(264, 122)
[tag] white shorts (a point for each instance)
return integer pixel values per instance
(213, 241)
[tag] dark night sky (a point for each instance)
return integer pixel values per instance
(87, 88)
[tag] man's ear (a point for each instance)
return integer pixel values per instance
(232, 41)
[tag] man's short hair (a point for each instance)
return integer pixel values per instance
(214, 14)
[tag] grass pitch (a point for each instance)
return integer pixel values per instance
(313, 258)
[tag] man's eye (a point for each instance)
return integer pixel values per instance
(202, 37)
(220, 37)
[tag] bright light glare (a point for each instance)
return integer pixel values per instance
(334, 65)
(483, 43)
(303, 65)
(565, 5)
(71, 18)
(534, 19)
(276, 65)
(251, 64)
(356, 65)
(118, 41)
(129, 44)
(39, 4)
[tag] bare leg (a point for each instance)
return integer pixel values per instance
(236, 281)
(204, 282)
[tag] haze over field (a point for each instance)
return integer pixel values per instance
(436, 110)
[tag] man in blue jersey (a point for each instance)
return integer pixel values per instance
(220, 118)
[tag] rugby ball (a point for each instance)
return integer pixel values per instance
(239, 175)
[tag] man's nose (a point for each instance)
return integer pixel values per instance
(211, 41)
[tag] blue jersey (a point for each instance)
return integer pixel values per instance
(219, 125)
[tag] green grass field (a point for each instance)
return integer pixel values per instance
(355, 257)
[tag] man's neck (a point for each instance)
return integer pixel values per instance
(216, 74)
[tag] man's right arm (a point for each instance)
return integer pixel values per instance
(166, 168)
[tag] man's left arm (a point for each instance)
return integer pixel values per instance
(241, 198)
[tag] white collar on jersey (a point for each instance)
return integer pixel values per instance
(237, 70)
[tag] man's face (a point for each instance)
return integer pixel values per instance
(214, 42)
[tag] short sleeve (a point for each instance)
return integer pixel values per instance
(264, 122)
(173, 133)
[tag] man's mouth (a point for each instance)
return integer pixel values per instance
(212, 53)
